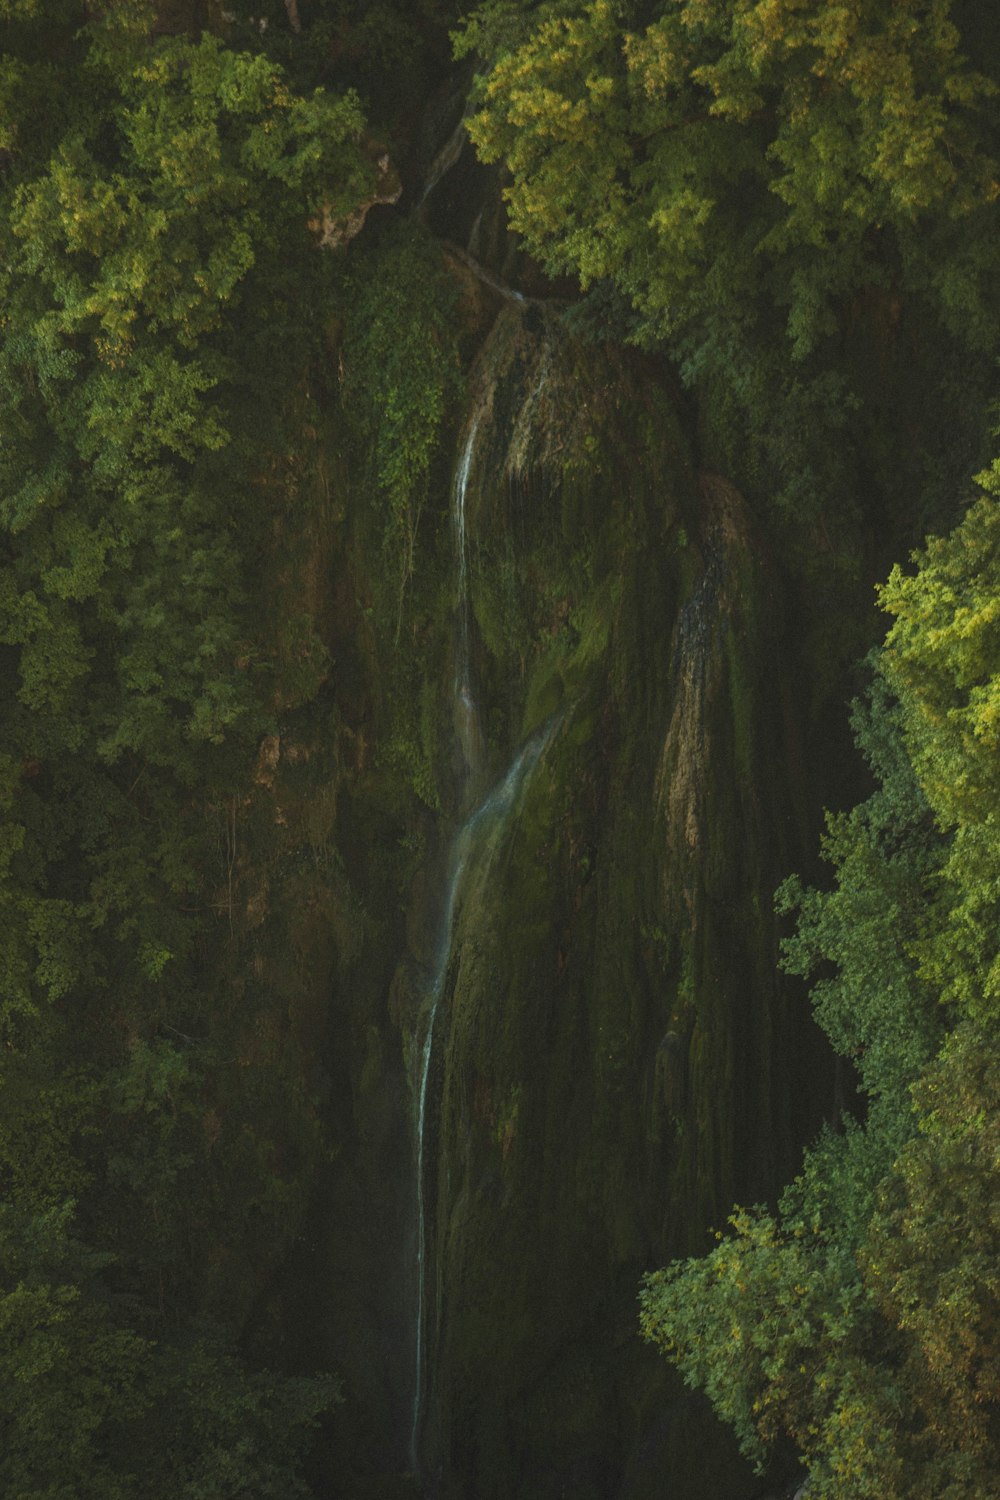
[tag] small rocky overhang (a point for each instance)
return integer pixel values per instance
(335, 230)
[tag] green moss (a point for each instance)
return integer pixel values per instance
(546, 687)
(607, 967)
(401, 376)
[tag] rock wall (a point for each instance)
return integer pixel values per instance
(616, 1036)
(614, 1045)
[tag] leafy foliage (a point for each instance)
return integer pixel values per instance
(796, 199)
(160, 294)
(390, 51)
(401, 377)
(861, 1323)
(885, 852)
(134, 1416)
(943, 651)
(723, 142)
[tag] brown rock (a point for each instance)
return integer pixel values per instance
(334, 231)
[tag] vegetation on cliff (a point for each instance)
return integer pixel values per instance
(744, 184)
(160, 295)
(227, 756)
(861, 1321)
(798, 199)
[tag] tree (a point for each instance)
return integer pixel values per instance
(944, 651)
(796, 200)
(776, 1324)
(134, 1417)
(163, 301)
(725, 141)
(862, 1322)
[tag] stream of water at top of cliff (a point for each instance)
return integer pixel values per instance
(482, 828)
(466, 709)
(487, 819)
(466, 727)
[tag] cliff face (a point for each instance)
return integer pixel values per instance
(611, 1015)
(608, 1066)
(409, 725)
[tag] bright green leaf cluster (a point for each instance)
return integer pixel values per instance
(862, 1322)
(797, 200)
(162, 296)
(944, 650)
(778, 135)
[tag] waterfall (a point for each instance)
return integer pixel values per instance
(466, 711)
(445, 159)
(483, 828)
(467, 733)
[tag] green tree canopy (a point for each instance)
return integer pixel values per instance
(162, 306)
(798, 201)
(862, 1322)
(813, 145)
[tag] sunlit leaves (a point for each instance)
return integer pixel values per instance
(944, 650)
(162, 298)
(853, 118)
(892, 1230)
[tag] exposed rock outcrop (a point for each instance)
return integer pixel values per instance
(335, 230)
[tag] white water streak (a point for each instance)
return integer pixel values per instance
(467, 730)
(491, 815)
(445, 159)
(466, 709)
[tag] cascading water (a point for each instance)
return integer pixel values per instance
(445, 159)
(466, 711)
(467, 731)
(457, 865)
(481, 831)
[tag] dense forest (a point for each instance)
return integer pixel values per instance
(500, 749)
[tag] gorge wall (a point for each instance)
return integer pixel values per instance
(613, 1044)
(421, 664)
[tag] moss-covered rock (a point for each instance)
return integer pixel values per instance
(605, 1082)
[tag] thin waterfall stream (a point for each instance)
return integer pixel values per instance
(467, 730)
(483, 827)
(466, 710)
